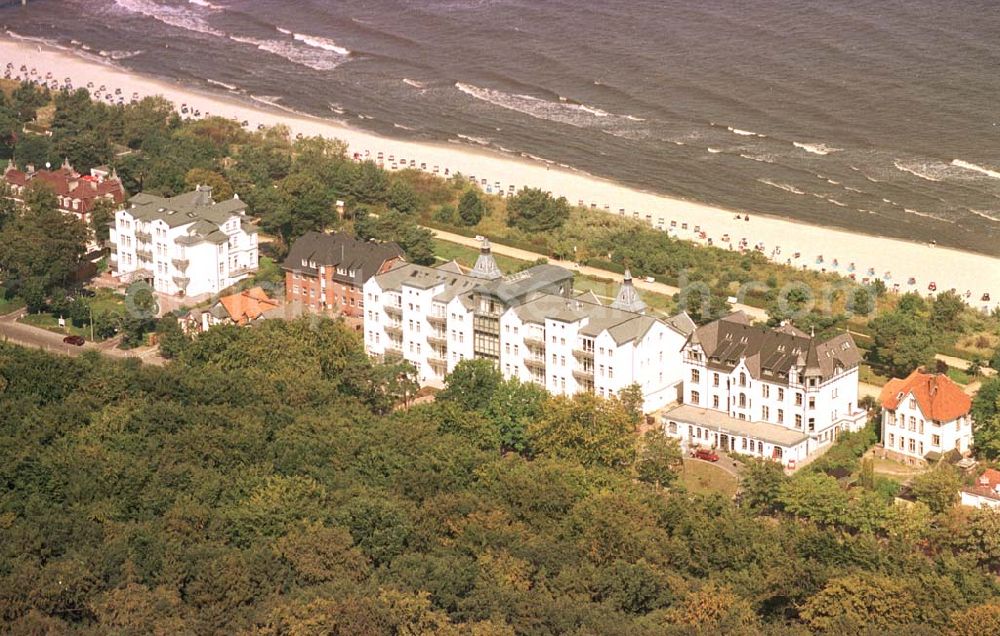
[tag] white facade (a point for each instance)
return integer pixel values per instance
(565, 342)
(765, 392)
(185, 245)
(925, 414)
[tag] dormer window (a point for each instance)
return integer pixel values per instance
(913, 403)
(305, 263)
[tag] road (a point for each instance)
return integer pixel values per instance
(35, 337)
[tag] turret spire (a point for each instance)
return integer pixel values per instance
(486, 267)
(628, 298)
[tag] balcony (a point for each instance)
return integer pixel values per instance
(394, 310)
(394, 349)
(535, 363)
(585, 375)
(181, 281)
(144, 255)
(438, 339)
(583, 354)
(241, 271)
(537, 343)
(437, 319)
(136, 274)
(394, 329)
(143, 237)
(437, 362)
(180, 263)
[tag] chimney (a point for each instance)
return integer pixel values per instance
(204, 195)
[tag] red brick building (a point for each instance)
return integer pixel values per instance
(326, 272)
(77, 194)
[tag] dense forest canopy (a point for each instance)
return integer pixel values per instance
(269, 481)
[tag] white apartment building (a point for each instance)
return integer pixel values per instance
(185, 245)
(924, 417)
(775, 393)
(531, 324)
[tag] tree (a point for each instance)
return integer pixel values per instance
(471, 384)
(850, 603)
(946, 311)
(42, 246)
(221, 188)
(511, 408)
(814, 496)
(976, 620)
(938, 488)
(760, 484)
(659, 459)
(986, 416)
(632, 400)
(902, 342)
(102, 216)
(172, 339)
(471, 208)
(402, 197)
(591, 430)
(534, 210)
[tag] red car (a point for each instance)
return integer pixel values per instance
(74, 340)
(707, 454)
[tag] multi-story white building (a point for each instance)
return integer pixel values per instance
(185, 245)
(777, 393)
(531, 324)
(925, 416)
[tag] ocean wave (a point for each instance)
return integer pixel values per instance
(927, 215)
(958, 163)
(781, 186)
(634, 118)
(714, 151)
(836, 202)
(119, 55)
(206, 4)
(758, 158)
(402, 127)
(564, 112)
(476, 140)
(985, 215)
(832, 182)
(744, 133)
(336, 108)
(170, 15)
(816, 149)
(850, 189)
(920, 171)
(317, 42)
(229, 87)
(311, 58)
(414, 83)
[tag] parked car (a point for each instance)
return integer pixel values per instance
(76, 341)
(707, 454)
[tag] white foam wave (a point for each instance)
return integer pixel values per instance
(926, 215)
(119, 55)
(579, 115)
(849, 188)
(634, 118)
(402, 127)
(229, 87)
(317, 42)
(758, 158)
(314, 59)
(206, 4)
(816, 149)
(986, 215)
(171, 15)
(832, 182)
(414, 83)
(836, 202)
(714, 151)
(781, 186)
(958, 163)
(744, 133)
(919, 171)
(476, 140)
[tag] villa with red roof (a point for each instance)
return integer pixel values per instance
(924, 418)
(77, 194)
(986, 492)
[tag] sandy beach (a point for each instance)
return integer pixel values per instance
(895, 261)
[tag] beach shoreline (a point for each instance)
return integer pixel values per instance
(780, 237)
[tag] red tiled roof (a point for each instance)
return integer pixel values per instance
(66, 182)
(939, 398)
(247, 305)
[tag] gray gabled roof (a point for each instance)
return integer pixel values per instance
(190, 207)
(771, 353)
(340, 249)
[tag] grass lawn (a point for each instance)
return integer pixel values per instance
(959, 376)
(868, 376)
(706, 478)
(51, 323)
(8, 305)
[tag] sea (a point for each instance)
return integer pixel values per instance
(879, 117)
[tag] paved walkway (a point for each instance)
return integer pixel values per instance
(525, 255)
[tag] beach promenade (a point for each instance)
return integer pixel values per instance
(901, 265)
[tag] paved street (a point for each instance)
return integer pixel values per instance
(38, 338)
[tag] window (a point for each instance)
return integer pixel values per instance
(695, 375)
(743, 379)
(913, 445)
(892, 439)
(835, 392)
(715, 401)
(695, 397)
(743, 401)
(767, 413)
(798, 399)
(913, 403)
(812, 402)
(913, 423)
(781, 393)
(921, 427)
(715, 379)
(781, 416)
(812, 424)
(935, 440)
(798, 421)
(766, 391)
